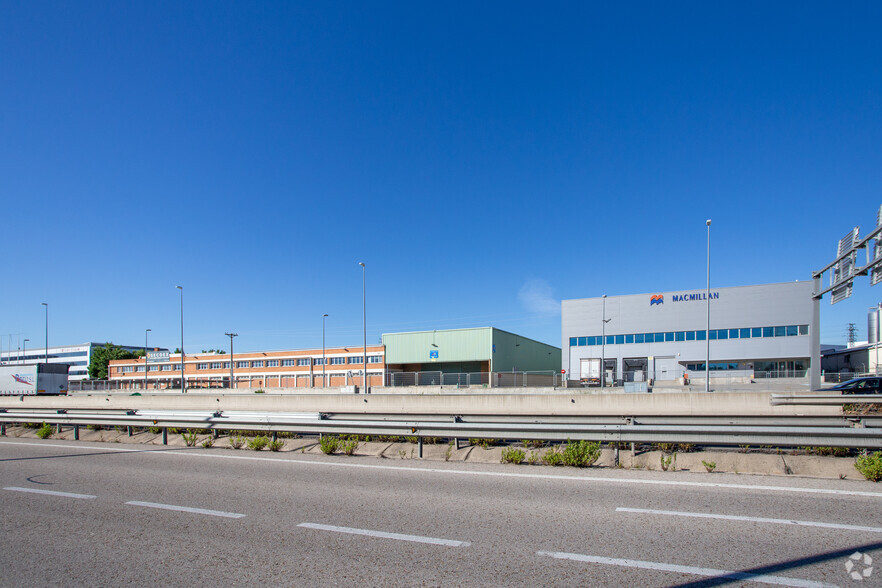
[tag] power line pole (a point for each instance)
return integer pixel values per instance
(851, 334)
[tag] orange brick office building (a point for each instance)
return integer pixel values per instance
(253, 370)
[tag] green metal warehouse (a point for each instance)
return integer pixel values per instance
(482, 350)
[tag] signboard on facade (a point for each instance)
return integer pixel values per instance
(157, 356)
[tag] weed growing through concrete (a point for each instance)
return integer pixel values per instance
(349, 447)
(581, 454)
(276, 445)
(669, 462)
(258, 443)
(710, 466)
(329, 444)
(870, 466)
(207, 442)
(237, 441)
(190, 438)
(402, 454)
(512, 455)
(45, 431)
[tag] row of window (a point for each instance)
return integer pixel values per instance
(303, 361)
(259, 363)
(714, 334)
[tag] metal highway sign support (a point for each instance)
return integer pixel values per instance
(842, 280)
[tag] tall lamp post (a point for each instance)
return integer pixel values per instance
(231, 335)
(46, 359)
(183, 381)
(364, 326)
(603, 321)
(324, 316)
(24, 352)
(145, 357)
(707, 329)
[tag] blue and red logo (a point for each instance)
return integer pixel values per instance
(656, 299)
(23, 379)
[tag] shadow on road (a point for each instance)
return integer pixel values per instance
(742, 575)
(95, 453)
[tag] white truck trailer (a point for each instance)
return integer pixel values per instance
(33, 380)
(589, 374)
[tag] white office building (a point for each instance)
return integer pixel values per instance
(77, 356)
(756, 331)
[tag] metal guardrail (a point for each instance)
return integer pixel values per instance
(825, 399)
(843, 432)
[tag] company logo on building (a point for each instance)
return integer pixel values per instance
(656, 299)
(695, 297)
(23, 379)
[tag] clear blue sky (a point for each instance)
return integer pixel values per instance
(485, 161)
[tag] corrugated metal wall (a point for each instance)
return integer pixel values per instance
(514, 352)
(458, 345)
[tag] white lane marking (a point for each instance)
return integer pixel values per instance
(341, 464)
(202, 511)
(700, 515)
(50, 492)
(384, 535)
(707, 572)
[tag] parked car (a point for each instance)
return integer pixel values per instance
(864, 385)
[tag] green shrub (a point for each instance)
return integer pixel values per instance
(329, 444)
(870, 466)
(155, 430)
(553, 457)
(258, 443)
(485, 443)
(190, 437)
(349, 447)
(45, 431)
(237, 441)
(533, 458)
(513, 455)
(259, 391)
(710, 466)
(207, 442)
(669, 462)
(533, 443)
(276, 445)
(581, 454)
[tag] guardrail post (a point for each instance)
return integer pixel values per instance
(420, 441)
(275, 436)
(165, 435)
(214, 434)
(2, 429)
(457, 443)
(58, 429)
(129, 430)
(616, 458)
(76, 432)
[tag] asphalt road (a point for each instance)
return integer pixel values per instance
(76, 514)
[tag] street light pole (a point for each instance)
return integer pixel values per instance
(24, 351)
(46, 359)
(603, 321)
(324, 316)
(183, 381)
(364, 325)
(145, 358)
(231, 335)
(707, 329)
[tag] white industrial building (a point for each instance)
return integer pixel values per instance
(76, 356)
(755, 331)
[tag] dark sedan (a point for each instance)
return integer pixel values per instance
(865, 385)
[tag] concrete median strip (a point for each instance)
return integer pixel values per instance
(385, 535)
(50, 492)
(678, 569)
(202, 511)
(455, 472)
(699, 515)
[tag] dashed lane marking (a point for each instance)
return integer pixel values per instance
(385, 535)
(706, 572)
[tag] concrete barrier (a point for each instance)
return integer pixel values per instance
(557, 403)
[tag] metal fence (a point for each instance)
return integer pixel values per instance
(475, 379)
